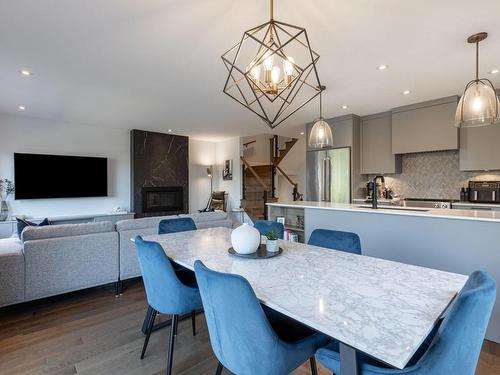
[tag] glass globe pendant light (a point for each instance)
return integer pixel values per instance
(479, 105)
(321, 135)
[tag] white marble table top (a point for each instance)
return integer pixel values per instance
(384, 309)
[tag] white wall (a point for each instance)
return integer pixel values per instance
(257, 153)
(201, 156)
(25, 134)
(229, 150)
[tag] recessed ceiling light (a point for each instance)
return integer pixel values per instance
(494, 71)
(345, 106)
(170, 130)
(383, 67)
(21, 108)
(25, 72)
(406, 92)
(301, 133)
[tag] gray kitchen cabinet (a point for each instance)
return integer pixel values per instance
(427, 126)
(479, 148)
(376, 145)
(345, 131)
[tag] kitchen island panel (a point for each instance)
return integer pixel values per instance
(460, 246)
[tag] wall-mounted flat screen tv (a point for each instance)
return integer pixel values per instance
(39, 176)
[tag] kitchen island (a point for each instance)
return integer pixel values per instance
(459, 241)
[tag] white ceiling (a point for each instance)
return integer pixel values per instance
(155, 64)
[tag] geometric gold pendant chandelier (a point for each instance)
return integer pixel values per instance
(272, 70)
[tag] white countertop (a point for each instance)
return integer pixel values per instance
(472, 204)
(476, 215)
(385, 309)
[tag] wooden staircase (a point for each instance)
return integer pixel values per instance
(281, 152)
(257, 190)
(259, 180)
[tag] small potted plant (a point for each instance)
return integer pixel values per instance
(272, 241)
(6, 189)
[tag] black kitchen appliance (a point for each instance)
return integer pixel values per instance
(484, 191)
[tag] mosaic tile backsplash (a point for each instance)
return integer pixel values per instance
(434, 175)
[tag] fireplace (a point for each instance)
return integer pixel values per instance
(168, 199)
(159, 172)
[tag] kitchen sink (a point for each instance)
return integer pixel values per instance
(415, 209)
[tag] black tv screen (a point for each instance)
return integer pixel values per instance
(55, 176)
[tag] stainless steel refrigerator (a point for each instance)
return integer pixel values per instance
(328, 175)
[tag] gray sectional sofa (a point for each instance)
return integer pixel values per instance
(128, 229)
(56, 259)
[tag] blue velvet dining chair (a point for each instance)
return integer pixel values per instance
(181, 224)
(266, 226)
(245, 340)
(453, 348)
(336, 240)
(166, 292)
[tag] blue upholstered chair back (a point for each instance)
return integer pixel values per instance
(456, 347)
(164, 292)
(265, 226)
(182, 224)
(240, 334)
(337, 240)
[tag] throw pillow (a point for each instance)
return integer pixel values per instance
(21, 224)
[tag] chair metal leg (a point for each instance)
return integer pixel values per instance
(118, 288)
(147, 318)
(151, 322)
(314, 368)
(219, 369)
(173, 331)
(193, 322)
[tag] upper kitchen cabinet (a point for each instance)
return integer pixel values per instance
(344, 129)
(427, 126)
(346, 133)
(479, 148)
(376, 145)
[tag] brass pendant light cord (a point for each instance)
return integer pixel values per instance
(321, 104)
(271, 9)
(477, 61)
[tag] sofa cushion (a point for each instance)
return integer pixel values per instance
(154, 222)
(22, 223)
(207, 216)
(11, 271)
(66, 230)
(10, 246)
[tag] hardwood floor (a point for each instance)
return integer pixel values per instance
(92, 332)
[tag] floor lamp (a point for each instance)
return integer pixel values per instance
(210, 174)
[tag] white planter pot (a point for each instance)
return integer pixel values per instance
(245, 239)
(272, 246)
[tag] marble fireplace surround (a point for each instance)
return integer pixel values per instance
(434, 175)
(158, 160)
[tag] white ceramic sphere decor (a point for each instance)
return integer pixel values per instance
(245, 239)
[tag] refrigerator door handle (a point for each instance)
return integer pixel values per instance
(327, 179)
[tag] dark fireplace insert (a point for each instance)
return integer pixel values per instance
(164, 199)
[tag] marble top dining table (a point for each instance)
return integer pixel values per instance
(382, 308)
